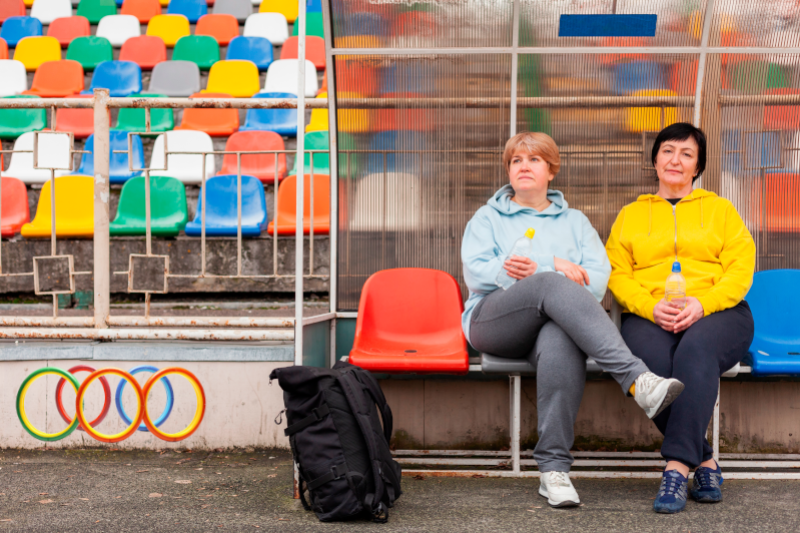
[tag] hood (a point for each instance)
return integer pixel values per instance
(501, 201)
(695, 195)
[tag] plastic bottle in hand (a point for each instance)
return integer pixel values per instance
(521, 248)
(675, 291)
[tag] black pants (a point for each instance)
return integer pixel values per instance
(697, 356)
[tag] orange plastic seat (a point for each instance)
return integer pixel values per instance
(143, 10)
(15, 207)
(315, 50)
(402, 118)
(79, 122)
(287, 193)
(222, 27)
(57, 79)
(409, 320)
(215, 122)
(354, 77)
(74, 209)
(147, 51)
(782, 117)
(11, 8)
(262, 166)
(3, 49)
(65, 29)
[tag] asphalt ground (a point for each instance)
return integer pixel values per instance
(100, 490)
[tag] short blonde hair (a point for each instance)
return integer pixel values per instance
(535, 143)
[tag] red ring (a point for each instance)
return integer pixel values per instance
(106, 399)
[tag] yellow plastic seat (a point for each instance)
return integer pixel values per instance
(28, 3)
(74, 209)
(236, 77)
(319, 117)
(639, 119)
(33, 51)
(169, 27)
(357, 41)
(287, 8)
(349, 120)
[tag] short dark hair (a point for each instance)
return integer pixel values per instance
(680, 131)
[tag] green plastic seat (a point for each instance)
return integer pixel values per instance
(753, 77)
(94, 10)
(200, 49)
(15, 122)
(314, 25)
(90, 51)
(130, 119)
(168, 212)
(318, 140)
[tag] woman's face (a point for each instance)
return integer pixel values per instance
(676, 162)
(529, 172)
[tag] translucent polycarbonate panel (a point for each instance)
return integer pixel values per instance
(412, 175)
(772, 24)
(678, 23)
(421, 24)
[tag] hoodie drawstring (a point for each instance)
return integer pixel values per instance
(650, 219)
(701, 212)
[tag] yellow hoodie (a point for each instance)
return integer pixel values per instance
(716, 252)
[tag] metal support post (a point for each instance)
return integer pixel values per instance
(515, 391)
(715, 426)
(300, 158)
(102, 265)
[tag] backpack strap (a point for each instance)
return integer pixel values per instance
(315, 416)
(335, 473)
(371, 384)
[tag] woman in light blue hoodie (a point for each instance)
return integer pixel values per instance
(551, 315)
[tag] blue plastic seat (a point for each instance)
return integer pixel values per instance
(118, 164)
(121, 78)
(733, 152)
(191, 9)
(281, 121)
(221, 210)
(361, 23)
(255, 49)
(314, 6)
(638, 76)
(14, 29)
(410, 77)
(773, 301)
(396, 140)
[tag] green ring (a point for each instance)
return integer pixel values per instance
(31, 377)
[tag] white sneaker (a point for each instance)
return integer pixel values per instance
(654, 393)
(558, 489)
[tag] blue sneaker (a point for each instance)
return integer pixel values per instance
(706, 484)
(672, 494)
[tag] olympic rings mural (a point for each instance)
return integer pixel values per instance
(141, 421)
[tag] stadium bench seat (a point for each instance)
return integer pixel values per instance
(14, 29)
(235, 77)
(200, 49)
(773, 300)
(638, 76)
(315, 140)
(360, 23)
(409, 320)
(733, 153)
(145, 50)
(168, 211)
(314, 6)
(417, 77)
(403, 118)
(191, 9)
(3, 49)
(95, 10)
(118, 163)
(222, 27)
(65, 29)
(143, 10)
(15, 207)
(15, 122)
(639, 119)
(49, 10)
(118, 29)
(258, 50)
(175, 78)
(357, 77)
(90, 51)
(754, 76)
(189, 167)
(79, 122)
(262, 166)
(57, 79)
(314, 25)
(11, 8)
(21, 164)
(13, 77)
(121, 78)
(74, 209)
(396, 162)
(354, 120)
(683, 77)
(315, 50)
(359, 41)
(403, 213)
(271, 26)
(133, 119)
(782, 117)
(215, 122)
(240, 9)
(33, 51)
(282, 77)
(319, 117)
(169, 27)
(280, 121)
(221, 208)
(287, 8)
(287, 206)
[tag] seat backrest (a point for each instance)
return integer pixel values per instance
(356, 77)
(133, 119)
(200, 49)
(74, 202)
(187, 168)
(79, 122)
(211, 121)
(49, 10)
(287, 8)
(15, 206)
(315, 50)
(191, 9)
(65, 29)
(118, 163)
(167, 200)
(238, 8)
(638, 75)
(14, 29)
(13, 78)
(287, 198)
(175, 78)
(95, 10)
(121, 78)
(145, 50)
(258, 165)
(755, 76)
(90, 51)
(235, 77)
(396, 140)
(15, 122)
(168, 27)
(772, 299)
(3, 49)
(33, 51)
(11, 8)
(319, 117)
(419, 119)
(282, 77)
(144, 10)
(314, 25)
(272, 26)
(119, 28)
(58, 78)
(362, 23)
(222, 27)
(283, 121)
(255, 49)
(221, 198)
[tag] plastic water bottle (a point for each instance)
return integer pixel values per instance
(675, 291)
(521, 248)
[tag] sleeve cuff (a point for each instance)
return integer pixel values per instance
(545, 262)
(709, 305)
(648, 310)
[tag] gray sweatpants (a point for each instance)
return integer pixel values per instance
(555, 323)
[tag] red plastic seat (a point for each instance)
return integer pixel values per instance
(262, 166)
(354, 77)
(315, 50)
(781, 117)
(65, 29)
(403, 118)
(78, 121)
(14, 206)
(3, 49)
(11, 8)
(287, 194)
(145, 50)
(222, 27)
(215, 122)
(143, 10)
(409, 320)
(57, 79)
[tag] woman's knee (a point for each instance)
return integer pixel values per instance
(555, 347)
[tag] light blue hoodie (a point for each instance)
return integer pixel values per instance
(560, 232)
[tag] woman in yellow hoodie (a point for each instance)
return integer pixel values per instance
(705, 235)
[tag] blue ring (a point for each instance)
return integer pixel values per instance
(167, 387)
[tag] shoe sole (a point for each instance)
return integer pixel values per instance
(675, 390)
(566, 503)
(705, 499)
(668, 511)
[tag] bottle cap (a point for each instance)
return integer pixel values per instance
(676, 266)
(530, 233)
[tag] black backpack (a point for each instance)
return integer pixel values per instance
(337, 441)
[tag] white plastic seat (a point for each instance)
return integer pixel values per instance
(282, 77)
(13, 78)
(118, 28)
(403, 213)
(49, 10)
(272, 26)
(187, 168)
(21, 166)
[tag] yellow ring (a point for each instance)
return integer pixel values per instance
(102, 437)
(199, 412)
